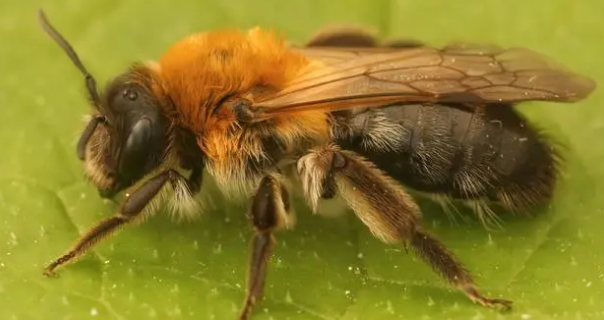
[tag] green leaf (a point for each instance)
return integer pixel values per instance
(551, 265)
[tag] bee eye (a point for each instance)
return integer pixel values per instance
(136, 148)
(130, 94)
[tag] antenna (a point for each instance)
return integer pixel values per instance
(58, 38)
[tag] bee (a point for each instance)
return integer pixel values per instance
(343, 116)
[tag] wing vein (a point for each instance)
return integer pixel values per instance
(380, 76)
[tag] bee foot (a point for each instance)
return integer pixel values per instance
(50, 273)
(501, 304)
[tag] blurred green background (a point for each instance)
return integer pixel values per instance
(551, 265)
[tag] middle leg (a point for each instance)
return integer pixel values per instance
(270, 210)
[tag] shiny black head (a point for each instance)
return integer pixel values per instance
(126, 137)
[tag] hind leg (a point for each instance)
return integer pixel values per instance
(386, 209)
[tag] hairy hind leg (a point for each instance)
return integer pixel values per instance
(386, 209)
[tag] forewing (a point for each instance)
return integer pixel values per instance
(331, 56)
(368, 77)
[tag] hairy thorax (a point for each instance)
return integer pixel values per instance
(201, 72)
(240, 155)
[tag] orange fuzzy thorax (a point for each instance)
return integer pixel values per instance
(200, 69)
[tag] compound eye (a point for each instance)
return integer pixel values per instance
(136, 145)
(140, 135)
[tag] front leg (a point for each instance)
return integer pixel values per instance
(130, 209)
(270, 211)
(386, 209)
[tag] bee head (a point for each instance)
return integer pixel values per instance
(126, 137)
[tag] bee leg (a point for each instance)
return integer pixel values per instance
(329, 187)
(129, 211)
(86, 134)
(269, 211)
(386, 209)
(191, 159)
(433, 252)
(195, 179)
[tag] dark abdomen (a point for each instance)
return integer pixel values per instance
(487, 153)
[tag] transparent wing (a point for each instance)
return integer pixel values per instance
(369, 77)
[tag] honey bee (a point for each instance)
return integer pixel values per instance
(342, 116)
